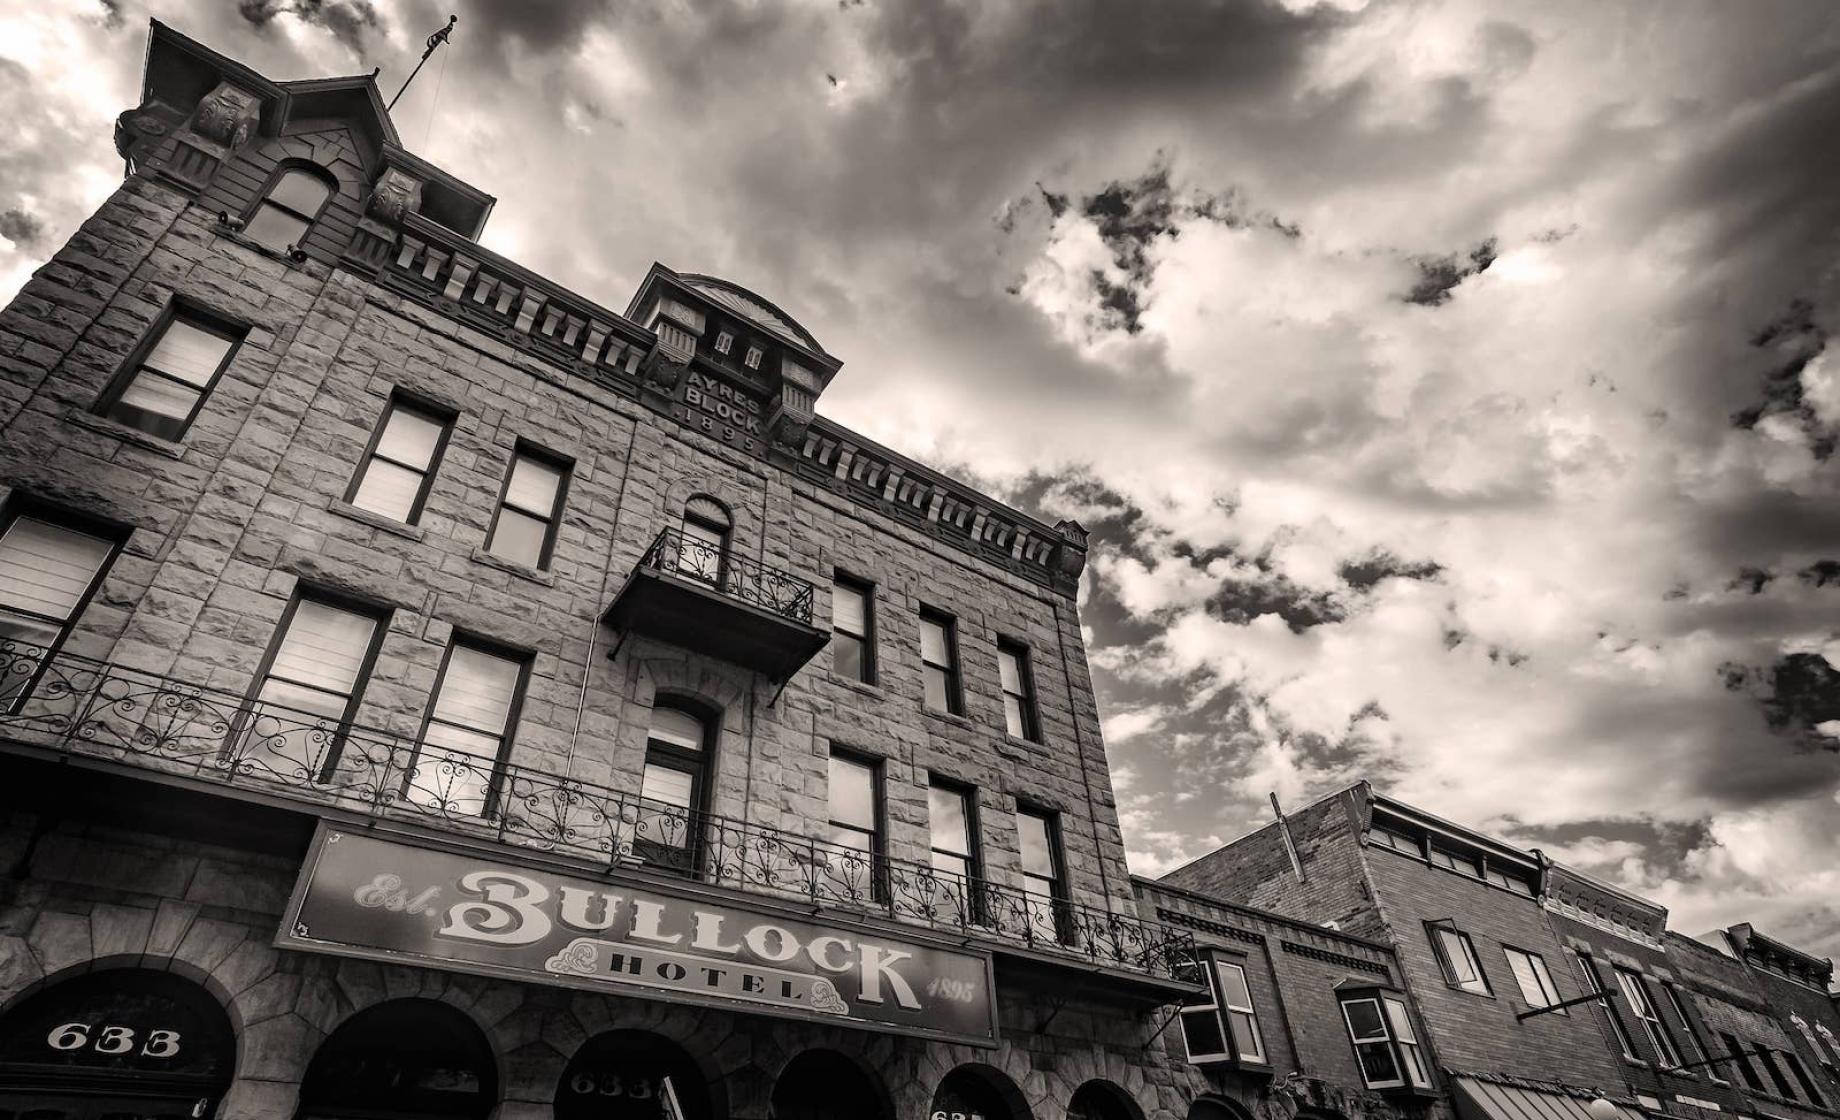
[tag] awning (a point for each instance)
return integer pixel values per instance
(1488, 1100)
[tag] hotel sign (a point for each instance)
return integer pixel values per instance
(386, 898)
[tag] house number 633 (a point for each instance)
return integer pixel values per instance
(113, 1040)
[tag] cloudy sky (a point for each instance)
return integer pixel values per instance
(1446, 384)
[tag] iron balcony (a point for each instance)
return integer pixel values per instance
(118, 716)
(706, 598)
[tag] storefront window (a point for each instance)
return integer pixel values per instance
(404, 1058)
(632, 1075)
(825, 1085)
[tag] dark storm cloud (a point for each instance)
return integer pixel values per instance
(1793, 340)
(22, 229)
(1369, 570)
(1437, 276)
(351, 22)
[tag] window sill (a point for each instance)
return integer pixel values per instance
(102, 425)
(522, 571)
(1024, 744)
(872, 691)
(1465, 991)
(278, 255)
(376, 520)
(948, 717)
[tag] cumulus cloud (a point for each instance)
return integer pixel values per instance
(1448, 385)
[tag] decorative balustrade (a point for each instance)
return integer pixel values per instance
(101, 710)
(674, 552)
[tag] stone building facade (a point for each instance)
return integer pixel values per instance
(428, 692)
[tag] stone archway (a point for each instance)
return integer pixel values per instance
(116, 1041)
(1217, 1108)
(978, 1092)
(827, 1085)
(1102, 1100)
(631, 1075)
(402, 1058)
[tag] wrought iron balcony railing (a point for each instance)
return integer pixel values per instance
(677, 553)
(101, 710)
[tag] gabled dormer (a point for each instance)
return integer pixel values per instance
(205, 120)
(752, 368)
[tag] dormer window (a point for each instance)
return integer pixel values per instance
(752, 361)
(724, 342)
(293, 202)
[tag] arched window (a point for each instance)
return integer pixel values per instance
(1103, 1100)
(704, 550)
(289, 207)
(635, 1075)
(676, 770)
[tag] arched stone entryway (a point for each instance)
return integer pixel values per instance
(630, 1075)
(116, 1041)
(979, 1092)
(399, 1059)
(827, 1085)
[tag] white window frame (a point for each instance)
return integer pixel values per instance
(1547, 995)
(1635, 990)
(1480, 984)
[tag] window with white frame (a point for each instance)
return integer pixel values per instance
(1635, 990)
(1220, 1023)
(1457, 957)
(1536, 984)
(1385, 1042)
(1594, 983)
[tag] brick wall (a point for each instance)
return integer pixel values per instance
(1256, 871)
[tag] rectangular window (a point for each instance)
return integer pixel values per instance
(48, 572)
(1535, 982)
(1594, 983)
(1695, 1041)
(524, 528)
(1039, 835)
(1398, 841)
(1742, 1060)
(1635, 990)
(939, 661)
(1442, 856)
(162, 387)
(1800, 1071)
(1767, 1059)
(1236, 1008)
(1509, 881)
(1385, 1043)
(1411, 1057)
(852, 628)
(855, 825)
(1221, 1014)
(467, 731)
(1457, 957)
(306, 696)
(399, 467)
(952, 818)
(1018, 690)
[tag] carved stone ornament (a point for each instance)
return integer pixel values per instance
(138, 132)
(227, 115)
(395, 196)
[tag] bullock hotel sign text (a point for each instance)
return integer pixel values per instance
(365, 895)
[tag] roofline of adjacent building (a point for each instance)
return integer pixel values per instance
(1256, 829)
(1258, 914)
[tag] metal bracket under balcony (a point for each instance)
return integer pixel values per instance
(702, 597)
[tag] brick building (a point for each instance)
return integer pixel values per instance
(1501, 951)
(430, 693)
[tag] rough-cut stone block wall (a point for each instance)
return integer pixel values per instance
(228, 523)
(95, 897)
